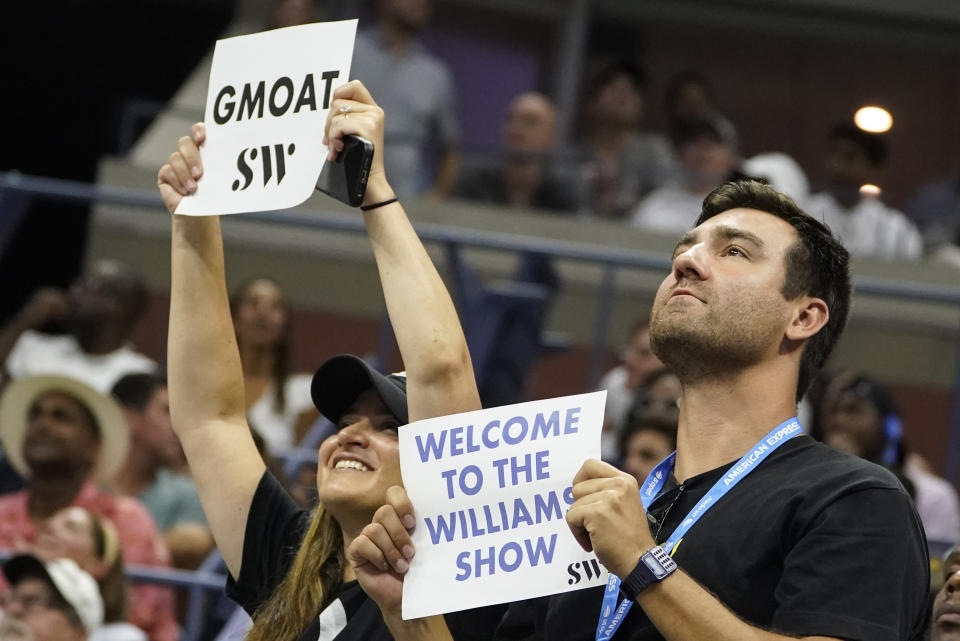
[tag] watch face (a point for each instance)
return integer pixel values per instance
(658, 570)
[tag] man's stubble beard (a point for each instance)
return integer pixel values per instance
(704, 344)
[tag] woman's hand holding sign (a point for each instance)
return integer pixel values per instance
(179, 176)
(380, 557)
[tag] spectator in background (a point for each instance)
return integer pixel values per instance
(647, 440)
(935, 209)
(650, 429)
(861, 417)
(688, 97)
(659, 396)
(620, 162)
(781, 172)
(98, 314)
(866, 226)
(707, 149)
(279, 407)
(945, 622)
(52, 601)
(417, 90)
(64, 437)
(622, 382)
(146, 475)
(93, 544)
(524, 175)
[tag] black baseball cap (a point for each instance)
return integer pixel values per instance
(340, 380)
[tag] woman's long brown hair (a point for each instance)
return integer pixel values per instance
(311, 583)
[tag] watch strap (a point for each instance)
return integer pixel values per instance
(654, 566)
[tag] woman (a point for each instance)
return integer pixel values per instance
(255, 524)
(91, 542)
(278, 402)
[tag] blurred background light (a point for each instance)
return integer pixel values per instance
(876, 120)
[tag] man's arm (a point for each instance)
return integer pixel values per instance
(683, 610)
(608, 517)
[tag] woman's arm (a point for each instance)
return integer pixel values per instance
(440, 377)
(205, 377)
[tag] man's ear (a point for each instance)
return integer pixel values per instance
(809, 316)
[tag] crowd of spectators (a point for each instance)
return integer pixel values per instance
(91, 473)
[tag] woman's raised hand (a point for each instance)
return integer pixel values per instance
(179, 176)
(353, 111)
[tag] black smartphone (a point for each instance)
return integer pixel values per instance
(346, 177)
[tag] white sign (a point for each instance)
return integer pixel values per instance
(267, 104)
(491, 490)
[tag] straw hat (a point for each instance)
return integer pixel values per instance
(20, 396)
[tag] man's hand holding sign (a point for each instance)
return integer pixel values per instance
(608, 518)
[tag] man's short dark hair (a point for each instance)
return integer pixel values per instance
(873, 146)
(134, 391)
(817, 265)
(610, 70)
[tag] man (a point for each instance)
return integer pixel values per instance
(623, 381)
(524, 176)
(52, 601)
(935, 210)
(793, 532)
(417, 90)
(64, 437)
(99, 314)
(707, 149)
(146, 471)
(945, 623)
(863, 222)
(619, 161)
(860, 416)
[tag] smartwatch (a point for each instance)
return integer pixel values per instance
(654, 566)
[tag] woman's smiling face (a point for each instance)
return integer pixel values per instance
(357, 465)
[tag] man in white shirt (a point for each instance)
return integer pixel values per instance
(863, 222)
(98, 314)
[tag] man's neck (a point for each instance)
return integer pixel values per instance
(721, 419)
(45, 497)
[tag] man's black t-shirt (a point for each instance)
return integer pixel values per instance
(812, 542)
(275, 528)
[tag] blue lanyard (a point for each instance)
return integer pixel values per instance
(612, 615)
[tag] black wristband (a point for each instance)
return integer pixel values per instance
(380, 204)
